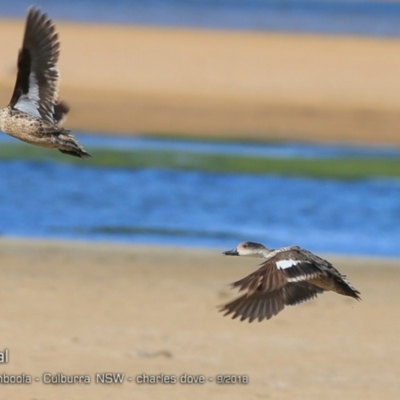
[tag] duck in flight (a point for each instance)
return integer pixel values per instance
(288, 276)
(35, 114)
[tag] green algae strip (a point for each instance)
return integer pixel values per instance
(334, 168)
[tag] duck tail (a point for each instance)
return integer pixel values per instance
(67, 144)
(344, 287)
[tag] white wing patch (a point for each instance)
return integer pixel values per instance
(29, 103)
(283, 264)
(300, 278)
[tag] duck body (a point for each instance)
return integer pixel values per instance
(39, 132)
(34, 114)
(288, 276)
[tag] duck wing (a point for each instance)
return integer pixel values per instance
(36, 87)
(264, 305)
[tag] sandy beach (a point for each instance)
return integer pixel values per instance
(257, 85)
(79, 308)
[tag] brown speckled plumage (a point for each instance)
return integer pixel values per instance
(288, 276)
(34, 114)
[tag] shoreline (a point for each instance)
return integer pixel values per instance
(223, 83)
(43, 242)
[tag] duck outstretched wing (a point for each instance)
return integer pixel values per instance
(36, 87)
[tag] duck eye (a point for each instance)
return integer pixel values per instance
(245, 246)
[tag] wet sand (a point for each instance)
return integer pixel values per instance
(79, 308)
(223, 83)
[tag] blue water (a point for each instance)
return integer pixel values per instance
(379, 18)
(49, 199)
(248, 149)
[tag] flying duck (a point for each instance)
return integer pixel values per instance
(34, 114)
(288, 276)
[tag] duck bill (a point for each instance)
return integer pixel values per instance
(232, 252)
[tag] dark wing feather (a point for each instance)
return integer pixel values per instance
(258, 305)
(37, 79)
(264, 305)
(61, 109)
(267, 278)
(24, 69)
(299, 292)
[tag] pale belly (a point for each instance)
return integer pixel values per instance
(28, 130)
